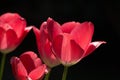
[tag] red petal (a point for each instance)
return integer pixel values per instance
(76, 52)
(38, 62)
(68, 27)
(15, 21)
(53, 28)
(37, 73)
(82, 34)
(37, 34)
(7, 17)
(2, 32)
(18, 25)
(41, 36)
(44, 47)
(57, 46)
(5, 26)
(29, 60)
(18, 68)
(67, 50)
(11, 39)
(26, 31)
(48, 55)
(92, 46)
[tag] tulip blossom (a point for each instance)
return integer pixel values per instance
(12, 31)
(44, 46)
(28, 67)
(71, 41)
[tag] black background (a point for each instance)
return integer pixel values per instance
(103, 63)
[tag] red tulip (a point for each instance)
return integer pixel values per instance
(44, 46)
(12, 31)
(71, 41)
(28, 67)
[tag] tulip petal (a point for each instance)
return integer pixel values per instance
(38, 72)
(15, 21)
(5, 26)
(57, 46)
(50, 58)
(76, 52)
(11, 39)
(82, 34)
(38, 38)
(67, 50)
(18, 25)
(44, 47)
(53, 28)
(18, 68)
(41, 36)
(2, 32)
(7, 17)
(68, 27)
(92, 46)
(27, 29)
(62, 48)
(29, 60)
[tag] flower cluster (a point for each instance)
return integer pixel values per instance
(64, 44)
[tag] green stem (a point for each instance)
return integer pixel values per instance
(65, 73)
(47, 75)
(2, 65)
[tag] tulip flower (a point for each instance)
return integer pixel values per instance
(71, 41)
(12, 31)
(44, 46)
(28, 67)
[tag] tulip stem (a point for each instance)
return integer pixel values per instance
(47, 75)
(2, 65)
(65, 73)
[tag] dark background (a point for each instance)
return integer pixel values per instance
(103, 64)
